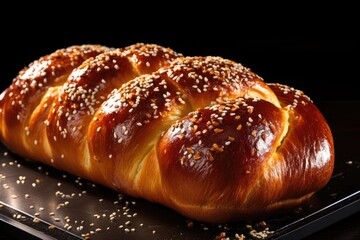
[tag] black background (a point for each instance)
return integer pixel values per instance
(314, 50)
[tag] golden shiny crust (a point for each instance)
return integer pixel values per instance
(261, 158)
(85, 89)
(202, 135)
(30, 91)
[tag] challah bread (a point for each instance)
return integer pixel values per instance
(202, 135)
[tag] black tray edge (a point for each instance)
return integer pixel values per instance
(330, 215)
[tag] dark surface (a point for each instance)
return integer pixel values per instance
(346, 229)
(67, 197)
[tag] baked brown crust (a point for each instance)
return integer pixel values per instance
(202, 135)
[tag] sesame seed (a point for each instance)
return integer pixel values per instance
(216, 147)
(231, 139)
(218, 130)
(272, 128)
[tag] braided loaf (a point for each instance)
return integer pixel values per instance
(202, 135)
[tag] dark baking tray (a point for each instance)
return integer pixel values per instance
(67, 207)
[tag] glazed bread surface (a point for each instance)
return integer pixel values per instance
(202, 135)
